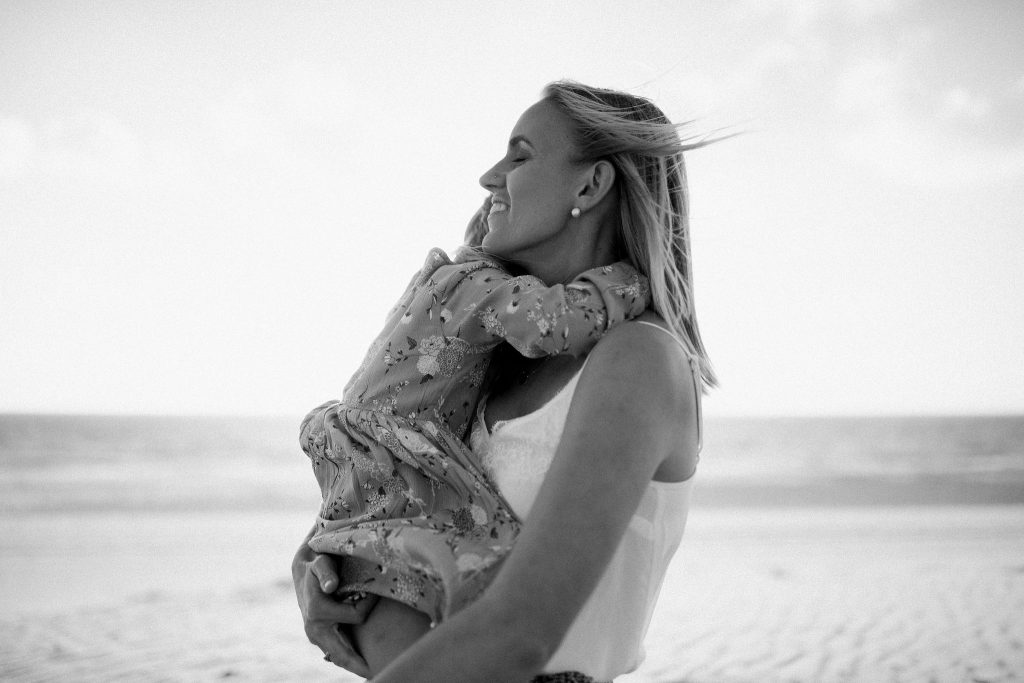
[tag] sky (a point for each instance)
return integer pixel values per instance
(209, 207)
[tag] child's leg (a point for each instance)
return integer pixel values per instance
(387, 632)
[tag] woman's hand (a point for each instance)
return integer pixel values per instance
(323, 615)
(477, 228)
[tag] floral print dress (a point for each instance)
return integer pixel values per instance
(404, 499)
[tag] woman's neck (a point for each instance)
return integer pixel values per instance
(575, 250)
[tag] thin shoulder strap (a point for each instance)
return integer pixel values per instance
(695, 371)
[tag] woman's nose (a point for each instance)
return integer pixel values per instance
(492, 178)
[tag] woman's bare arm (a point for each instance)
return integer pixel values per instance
(634, 407)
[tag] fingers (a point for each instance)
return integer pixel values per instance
(336, 648)
(478, 228)
(331, 611)
(362, 607)
(482, 214)
(321, 604)
(323, 569)
(322, 607)
(324, 614)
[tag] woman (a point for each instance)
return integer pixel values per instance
(596, 455)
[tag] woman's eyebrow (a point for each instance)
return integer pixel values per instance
(517, 139)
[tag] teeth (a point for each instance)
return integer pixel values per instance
(498, 207)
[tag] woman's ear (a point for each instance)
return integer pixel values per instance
(598, 180)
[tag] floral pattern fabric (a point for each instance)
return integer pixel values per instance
(404, 499)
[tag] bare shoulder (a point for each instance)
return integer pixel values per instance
(648, 371)
(648, 356)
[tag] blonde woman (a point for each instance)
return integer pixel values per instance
(595, 455)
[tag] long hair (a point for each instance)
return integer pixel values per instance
(647, 152)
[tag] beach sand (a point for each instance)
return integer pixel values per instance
(755, 594)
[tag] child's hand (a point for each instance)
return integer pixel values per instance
(478, 227)
(323, 615)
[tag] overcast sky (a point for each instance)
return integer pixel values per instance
(209, 207)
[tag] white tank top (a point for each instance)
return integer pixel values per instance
(606, 638)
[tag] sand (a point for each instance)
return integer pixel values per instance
(808, 594)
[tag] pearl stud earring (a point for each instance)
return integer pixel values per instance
(575, 213)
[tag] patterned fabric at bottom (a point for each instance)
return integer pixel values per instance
(407, 507)
(563, 677)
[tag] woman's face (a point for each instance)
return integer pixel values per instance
(533, 187)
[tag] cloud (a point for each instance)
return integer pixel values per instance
(924, 156)
(793, 49)
(810, 17)
(869, 10)
(868, 88)
(285, 124)
(960, 103)
(17, 146)
(271, 107)
(883, 133)
(281, 116)
(915, 132)
(88, 144)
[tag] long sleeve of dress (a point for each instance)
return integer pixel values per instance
(538, 320)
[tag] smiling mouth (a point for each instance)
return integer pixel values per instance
(497, 206)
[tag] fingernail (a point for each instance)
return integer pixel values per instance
(328, 586)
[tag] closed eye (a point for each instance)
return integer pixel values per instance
(519, 149)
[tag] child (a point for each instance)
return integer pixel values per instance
(404, 499)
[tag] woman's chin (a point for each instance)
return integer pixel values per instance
(492, 244)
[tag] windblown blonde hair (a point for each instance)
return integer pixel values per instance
(647, 152)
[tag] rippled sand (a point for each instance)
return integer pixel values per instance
(855, 595)
(811, 594)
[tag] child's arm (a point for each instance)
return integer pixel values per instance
(543, 321)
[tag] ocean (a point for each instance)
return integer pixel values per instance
(150, 464)
(816, 549)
